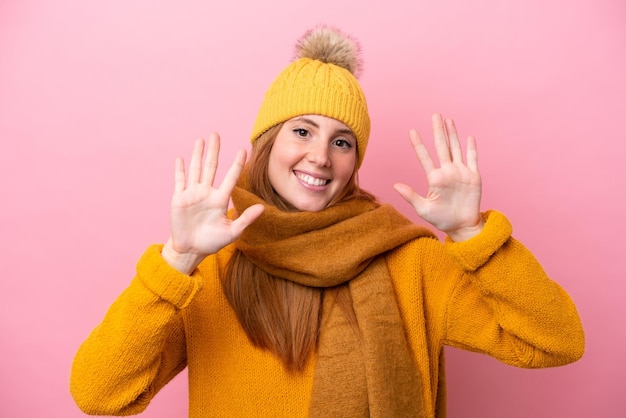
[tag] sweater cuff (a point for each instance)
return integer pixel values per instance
(165, 281)
(471, 254)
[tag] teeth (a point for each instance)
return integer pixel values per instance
(312, 181)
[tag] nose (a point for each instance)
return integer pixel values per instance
(318, 154)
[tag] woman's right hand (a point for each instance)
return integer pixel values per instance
(199, 211)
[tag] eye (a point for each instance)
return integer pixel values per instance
(342, 143)
(301, 132)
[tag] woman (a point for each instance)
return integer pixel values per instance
(310, 298)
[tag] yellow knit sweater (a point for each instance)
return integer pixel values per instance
(488, 295)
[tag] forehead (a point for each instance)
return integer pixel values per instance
(320, 121)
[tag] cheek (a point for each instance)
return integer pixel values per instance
(345, 167)
(279, 165)
(272, 169)
(279, 160)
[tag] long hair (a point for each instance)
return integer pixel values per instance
(277, 314)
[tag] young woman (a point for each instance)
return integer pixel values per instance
(310, 298)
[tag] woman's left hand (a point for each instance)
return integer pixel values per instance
(452, 204)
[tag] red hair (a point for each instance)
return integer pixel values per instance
(278, 314)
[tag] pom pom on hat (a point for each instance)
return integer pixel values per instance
(330, 45)
(321, 81)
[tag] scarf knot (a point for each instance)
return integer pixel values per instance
(325, 248)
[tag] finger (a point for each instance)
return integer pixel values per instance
(422, 154)
(453, 141)
(179, 175)
(233, 173)
(195, 166)
(472, 154)
(212, 158)
(441, 139)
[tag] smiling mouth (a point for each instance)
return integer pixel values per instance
(312, 181)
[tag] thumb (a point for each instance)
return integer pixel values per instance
(408, 194)
(246, 218)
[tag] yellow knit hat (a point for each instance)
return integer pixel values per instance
(322, 81)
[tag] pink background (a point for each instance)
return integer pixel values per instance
(98, 98)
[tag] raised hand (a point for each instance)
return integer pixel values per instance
(199, 211)
(452, 204)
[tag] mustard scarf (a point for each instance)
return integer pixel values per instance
(372, 374)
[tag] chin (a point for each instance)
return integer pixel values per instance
(311, 206)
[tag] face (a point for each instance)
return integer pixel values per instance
(312, 161)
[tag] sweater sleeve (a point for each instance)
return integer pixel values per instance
(504, 305)
(140, 344)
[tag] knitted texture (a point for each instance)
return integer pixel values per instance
(312, 87)
(362, 232)
(506, 308)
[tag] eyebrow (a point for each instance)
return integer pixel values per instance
(347, 131)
